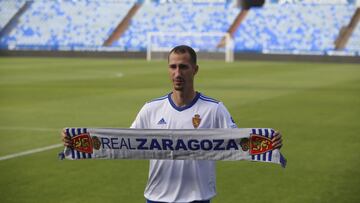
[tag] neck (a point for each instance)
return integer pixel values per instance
(182, 98)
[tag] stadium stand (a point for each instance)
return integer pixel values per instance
(54, 25)
(68, 25)
(292, 28)
(8, 10)
(354, 41)
(354, 25)
(196, 17)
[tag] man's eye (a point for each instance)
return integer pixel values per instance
(182, 66)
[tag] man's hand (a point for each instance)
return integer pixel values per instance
(277, 140)
(66, 139)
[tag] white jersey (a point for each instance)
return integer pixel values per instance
(182, 180)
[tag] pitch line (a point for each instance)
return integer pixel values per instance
(119, 75)
(29, 129)
(32, 151)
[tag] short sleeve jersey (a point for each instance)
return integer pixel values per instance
(182, 180)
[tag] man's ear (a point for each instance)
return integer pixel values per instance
(196, 69)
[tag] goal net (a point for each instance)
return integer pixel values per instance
(208, 45)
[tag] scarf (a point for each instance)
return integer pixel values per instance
(250, 144)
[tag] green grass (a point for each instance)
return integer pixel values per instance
(316, 106)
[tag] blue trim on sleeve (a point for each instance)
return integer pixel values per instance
(184, 107)
(159, 99)
(209, 99)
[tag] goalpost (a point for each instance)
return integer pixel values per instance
(208, 44)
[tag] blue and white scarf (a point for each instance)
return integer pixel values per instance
(252, 144)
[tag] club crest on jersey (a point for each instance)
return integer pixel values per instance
(83, 143)
(196, 120)
(259, 144)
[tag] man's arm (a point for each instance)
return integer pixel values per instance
(224, 120)
(141, 120)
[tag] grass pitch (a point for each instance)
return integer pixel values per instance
(316, 106)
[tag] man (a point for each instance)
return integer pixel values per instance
(183, 108)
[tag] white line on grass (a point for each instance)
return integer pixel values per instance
(32, 151)
(18, 128)
(119, 75)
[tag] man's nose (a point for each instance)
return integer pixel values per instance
(177, 71)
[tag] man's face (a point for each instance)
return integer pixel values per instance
(182, 71)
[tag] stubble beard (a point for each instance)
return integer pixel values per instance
(178, 88)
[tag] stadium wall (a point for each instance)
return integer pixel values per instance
(202, 56)
(65, 29)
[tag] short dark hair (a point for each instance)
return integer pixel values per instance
(182, 49)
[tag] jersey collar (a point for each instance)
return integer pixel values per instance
(183, 107)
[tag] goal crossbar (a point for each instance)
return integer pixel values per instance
(224, 43)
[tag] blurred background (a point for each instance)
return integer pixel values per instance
(281, 27)
(292, 65)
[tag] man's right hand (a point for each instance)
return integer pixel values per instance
(66, 139)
